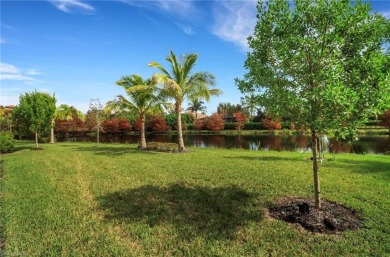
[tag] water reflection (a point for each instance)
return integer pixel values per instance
(371, 144)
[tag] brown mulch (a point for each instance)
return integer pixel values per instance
(330, 219)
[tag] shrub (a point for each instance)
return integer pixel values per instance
(271, 124)
(137, 125)
(240, 120)
(124, 125)
(157, 124)
(198, 124)
(229, 126)
(214, 122)
(7, 142)
(253, 126)
(159, 146)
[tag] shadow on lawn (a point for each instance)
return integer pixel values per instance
(111, 150)
(378, 167)
(262, 158)
(192, 210)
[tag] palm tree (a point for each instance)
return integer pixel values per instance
(195, 106)
(180, 84)
(64, 112)
(143, 101)
(250, 102)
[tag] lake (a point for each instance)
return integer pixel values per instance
(365, 144)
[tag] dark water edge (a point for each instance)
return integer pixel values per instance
(365, 144)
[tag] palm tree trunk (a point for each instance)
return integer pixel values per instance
(179, 128)
(52, 132)
(143, 138)
(317, 191)
(36, 139)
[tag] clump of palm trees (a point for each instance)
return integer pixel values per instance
(178, 83)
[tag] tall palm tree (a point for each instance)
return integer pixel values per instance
(64, 112)
(196, 106)
(180, 84)
(143, 101)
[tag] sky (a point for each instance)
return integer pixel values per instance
(78, 49)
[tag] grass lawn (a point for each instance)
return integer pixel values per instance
(74, 199)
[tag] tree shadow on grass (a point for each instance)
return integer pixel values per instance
(378, 167)
(213, 213)
(111, 150)
(262, 158)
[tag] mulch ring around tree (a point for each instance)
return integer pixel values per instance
(330, 219)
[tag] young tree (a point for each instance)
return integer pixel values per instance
(320, 61)
(180, 84)
(240, 120)
(97, 116)
(36, 111)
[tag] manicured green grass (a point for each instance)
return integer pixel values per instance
(74, 199)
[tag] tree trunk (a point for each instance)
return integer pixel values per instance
(52, 132)
(98, 134)
(143, 138)
(36, 139)
(179, 128)
(317, 191)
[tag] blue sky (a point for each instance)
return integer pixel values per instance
(77, 49)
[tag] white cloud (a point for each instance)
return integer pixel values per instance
(178, 7)
(33, 72)
(17, 77)
(186, 29)
(8, 68)
(11, 72)
(69, 6)
(235, 21)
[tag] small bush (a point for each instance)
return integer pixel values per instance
(7, 142)
(229, 126)
(165, 147)
(214, 122)
(157, 124)
(253, 126)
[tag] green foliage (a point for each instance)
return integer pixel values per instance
(196, 106)
(227, 109)
(322, 63)
(171, 120)
(7, 142)
(230, 126)
(34, 113)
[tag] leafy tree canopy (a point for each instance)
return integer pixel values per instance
(324, 62)
(35, 112)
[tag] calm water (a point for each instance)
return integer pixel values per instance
(371, 144)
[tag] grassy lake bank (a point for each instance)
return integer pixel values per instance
(76, 199)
